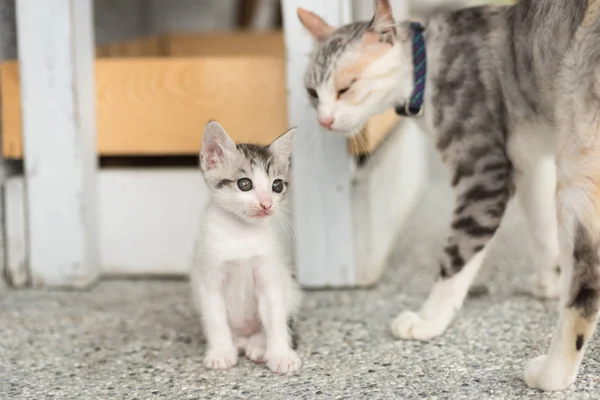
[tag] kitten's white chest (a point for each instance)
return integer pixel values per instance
(230, 241)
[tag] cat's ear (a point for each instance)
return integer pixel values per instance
(282, 146)
(383, 22)
(216, 145)
(317, 27)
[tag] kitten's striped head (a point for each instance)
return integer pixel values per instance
(248, 180)
(357, 70)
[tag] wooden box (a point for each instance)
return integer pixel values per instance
(154, 95)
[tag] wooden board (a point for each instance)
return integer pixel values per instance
(149, 105)
(227, 44)
(142, 47)
(160, 106)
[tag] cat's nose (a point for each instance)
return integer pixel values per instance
(327, 122)
(266, 204)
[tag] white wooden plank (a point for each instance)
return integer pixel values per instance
(322, 167)
(386, 191)
(150, 219)
(15, 232)
(56, 48)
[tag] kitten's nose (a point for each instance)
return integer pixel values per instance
(326, 122)
(266, 204)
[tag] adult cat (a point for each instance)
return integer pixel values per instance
(493, 86)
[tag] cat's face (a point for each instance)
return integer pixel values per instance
(247, 180)
(355, 71)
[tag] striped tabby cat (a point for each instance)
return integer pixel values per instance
(493, 86)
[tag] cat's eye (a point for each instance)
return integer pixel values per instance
(244, 184)
(342, 91)
(278, 186)
(312, 93)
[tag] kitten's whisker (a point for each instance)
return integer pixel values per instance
(287, 226)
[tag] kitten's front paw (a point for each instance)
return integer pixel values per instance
(544, 375)
(410, 326)
(284, 363)
(221, 358)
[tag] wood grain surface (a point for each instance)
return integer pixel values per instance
(154, 95)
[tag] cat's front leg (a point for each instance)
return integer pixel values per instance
(441, 306)
(481, 180)
(209, 300)
(279, 356)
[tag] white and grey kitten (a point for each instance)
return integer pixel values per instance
(241, 284)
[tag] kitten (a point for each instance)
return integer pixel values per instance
(485, 83)
(241, 285)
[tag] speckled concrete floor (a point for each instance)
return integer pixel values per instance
(141, 339)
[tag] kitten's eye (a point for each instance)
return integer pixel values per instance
(312, 93)
(244, 184)
(278, 186)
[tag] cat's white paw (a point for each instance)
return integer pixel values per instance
(410, 326)
(548, 376)
(546, 287)
(286, 363)
(222, 358)
(255, 348)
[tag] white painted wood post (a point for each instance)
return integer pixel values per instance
(15, 239)
(322, 167)
(56, 62)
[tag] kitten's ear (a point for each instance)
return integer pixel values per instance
(317, 27)
(383, 22)
(216, 145)
(282, 146)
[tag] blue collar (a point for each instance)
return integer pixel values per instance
(415, 106)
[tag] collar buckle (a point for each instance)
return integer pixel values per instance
(409, 112)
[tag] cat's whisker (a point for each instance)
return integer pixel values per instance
(287, 225)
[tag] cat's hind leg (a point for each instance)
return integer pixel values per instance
(532, 154)
(580, 300)
(482, 184)
(578, 210)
